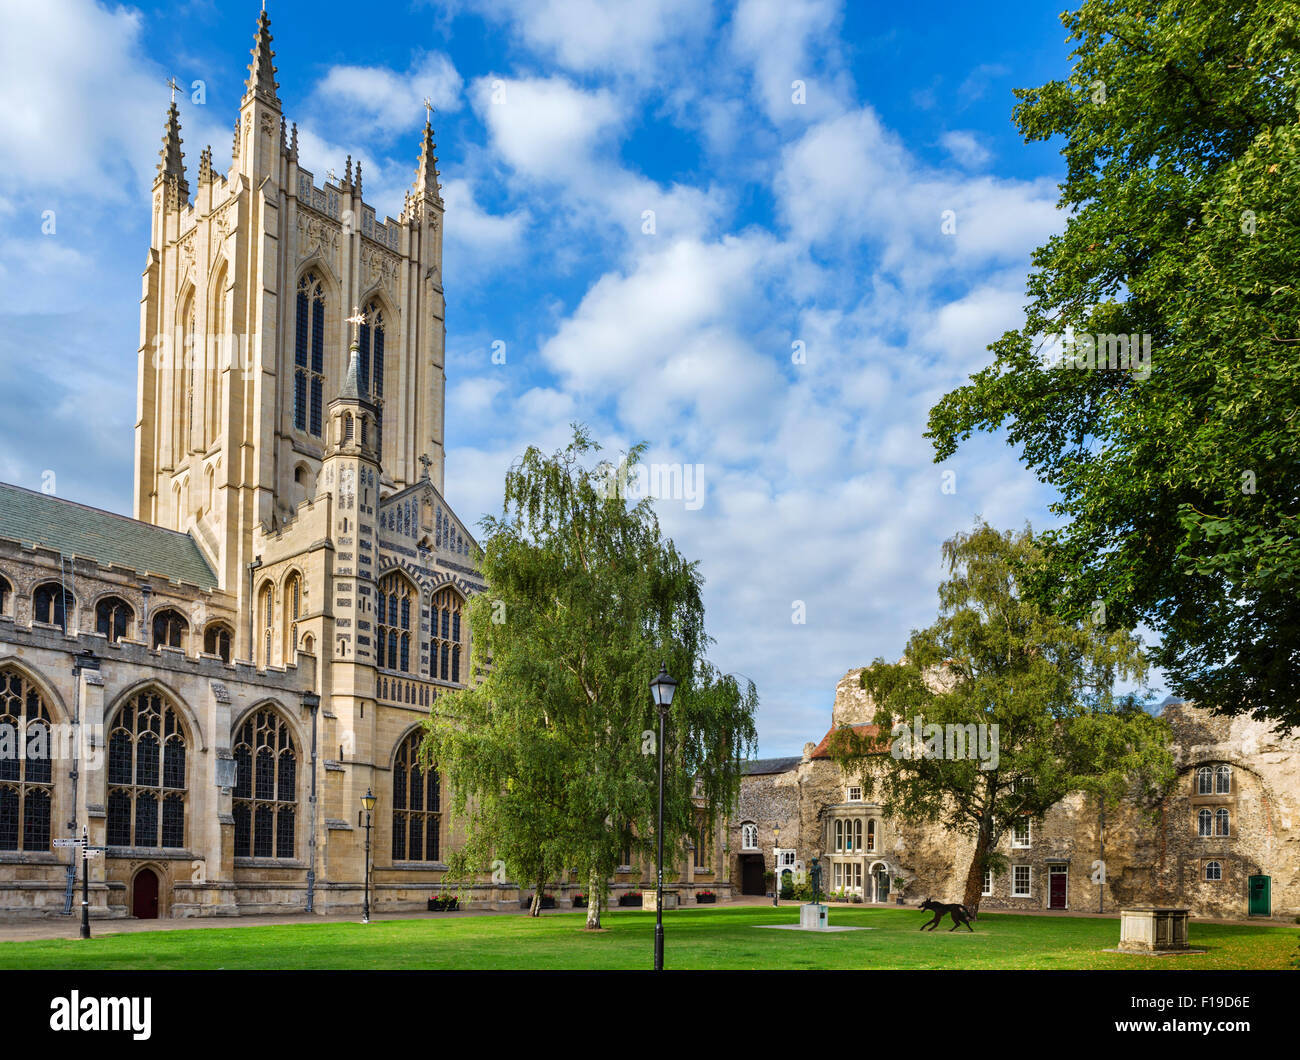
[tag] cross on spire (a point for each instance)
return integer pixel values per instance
(428, 110)
(174, 86)
(356, 320)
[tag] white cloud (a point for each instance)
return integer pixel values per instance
(783, 41)
(965, 148)
(355, 96)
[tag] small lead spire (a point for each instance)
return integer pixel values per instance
(261, 71)
(358, 178)
(205, 165)
(171, 160)
(426, 173)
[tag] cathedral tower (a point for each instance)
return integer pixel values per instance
(244, 298)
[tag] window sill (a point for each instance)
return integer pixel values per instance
(413, 866)
(154, 853)
(269, 863)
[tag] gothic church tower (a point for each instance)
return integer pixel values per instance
(244, 302)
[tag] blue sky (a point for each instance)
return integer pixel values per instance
(776, 223)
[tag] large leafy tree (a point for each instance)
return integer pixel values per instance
(552, 752)
(1045, 687)
(1181, 486)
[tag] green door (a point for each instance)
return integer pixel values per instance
(1259, 896)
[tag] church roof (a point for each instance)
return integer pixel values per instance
(38, 519)
(765, 766)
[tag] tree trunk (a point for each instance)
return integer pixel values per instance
(595, 894)
(975, 877)
(536, 908)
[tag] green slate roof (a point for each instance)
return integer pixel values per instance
(32, 518)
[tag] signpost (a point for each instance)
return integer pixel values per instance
(87, 852)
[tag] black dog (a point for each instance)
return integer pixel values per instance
(959, 913)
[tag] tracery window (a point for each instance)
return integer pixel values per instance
(393, 639)
(146, 775)
(749, 837)
(51, 604)
(446, 643)
(265, 807)
(372, 365)
(26, 774)
(169, 629)
(266, 610)
(113, 617)
(417, 805)
(309, 355)
(292, 608)
(703, 844)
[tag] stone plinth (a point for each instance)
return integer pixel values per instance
(650, 898)
(1153, 930)
(812, 917)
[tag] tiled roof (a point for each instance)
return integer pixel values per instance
(862, 730)
(32, 519)
(763, 766)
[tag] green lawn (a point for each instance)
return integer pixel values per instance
(712, 938)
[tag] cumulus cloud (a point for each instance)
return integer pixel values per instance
(388, 101)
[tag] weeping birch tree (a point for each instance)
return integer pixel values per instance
(551, 752)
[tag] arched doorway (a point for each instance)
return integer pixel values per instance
(144, 895)
(752, 880)
(879, 882)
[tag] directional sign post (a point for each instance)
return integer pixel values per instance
(67, 842)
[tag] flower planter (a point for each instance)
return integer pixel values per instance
(631, 900)
(579, 902)
(548, 902)
(705, 899)
(444, 905)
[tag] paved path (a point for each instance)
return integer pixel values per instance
(69, 927)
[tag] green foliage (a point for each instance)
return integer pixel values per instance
(551, 753)
(1180, 137)
(995, 658)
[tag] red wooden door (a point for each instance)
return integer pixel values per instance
(144, 902)
(1056, 892)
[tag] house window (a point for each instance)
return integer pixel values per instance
(216, 641)
(393, 642)
(1205, 823)
(266, 788)
(417, 805)
(51, 604)
(1213, 870)
(839, 837)
(1205, 781)
(987, 888)
(146, 775)
(748, 838)
(169, 629)
(113, 617)
(871, 836)
(445, 648)
(1020, 881)
(26, 779)
(1221, 822)
(1223, 780)
(1020, 833)
(855, 794)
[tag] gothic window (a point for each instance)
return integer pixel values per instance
(393, 628)
(625, 850)
(703, 844)
(6, 591)
(417, 805)
(749, 837)
(292, 609)
(266, 611)
(1221, 822)
(1205, 823)
(51, 604)
(266, 771)
(372, 365)
(447, 644)
(169, 629)
(309, 355)
(113, 617)
(26, 778)
(216, 641)
(146, 775)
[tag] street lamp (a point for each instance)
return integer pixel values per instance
(368, 801)
(661, 689)
(776, 865)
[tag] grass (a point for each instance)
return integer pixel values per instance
(697, 939)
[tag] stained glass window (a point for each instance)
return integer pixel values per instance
(146, 775)
(265, 788)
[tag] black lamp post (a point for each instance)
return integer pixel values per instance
(661, 689)
(776, 865)
(368, 801)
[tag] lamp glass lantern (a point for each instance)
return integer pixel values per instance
(662, 688)
(368, 800)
